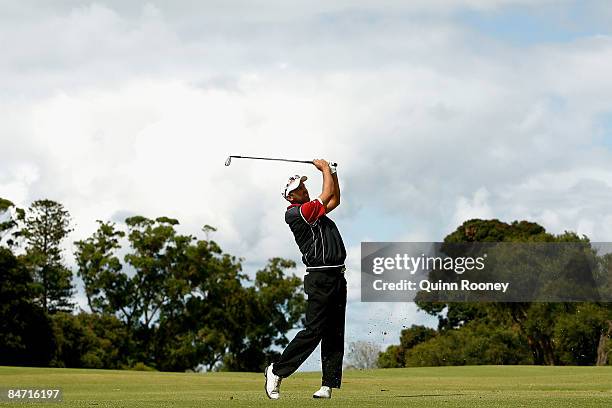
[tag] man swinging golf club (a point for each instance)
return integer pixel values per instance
(323, 253)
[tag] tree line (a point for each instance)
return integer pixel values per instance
(541, 333)
(161, 300)
(169, 302)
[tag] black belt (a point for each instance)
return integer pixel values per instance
(326, 268)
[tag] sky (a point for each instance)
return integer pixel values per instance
(436, 112)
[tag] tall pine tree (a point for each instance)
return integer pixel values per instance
(46, 225)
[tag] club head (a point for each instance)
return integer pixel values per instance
(228, 161)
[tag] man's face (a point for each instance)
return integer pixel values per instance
(299, 195)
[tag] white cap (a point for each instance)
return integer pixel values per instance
(292, 184)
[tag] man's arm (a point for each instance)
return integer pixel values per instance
(335, 200)
(328, 182)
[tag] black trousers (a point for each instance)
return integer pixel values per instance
(324, 323)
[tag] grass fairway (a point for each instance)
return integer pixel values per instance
(476, 386)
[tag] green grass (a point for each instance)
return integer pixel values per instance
(476, 386)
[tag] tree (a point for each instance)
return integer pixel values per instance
(9, 221)
(157, 257)
(477, 342)
(394, 356)
(88, 340)
(186, 303)
(603, 346)
(26, 338)
(46, 226)
(199, 327)
(535, 322)
(272, 306)
(100, 270)
(577, 335)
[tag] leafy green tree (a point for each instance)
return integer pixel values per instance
(197, 328)
(475, 343)
(274, 305)
(555, 332)
(157, 257)
(416, 334)
(89, 340)
(454, 315)
(46, 226)
(577, 334)
(226, 325)
(604, 282)
(535, 321)
(9, 222)
(26, 338)
(604, 346)
(105, 286)
(394, 356)
(185, 302)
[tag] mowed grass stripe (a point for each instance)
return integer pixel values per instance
(472, 386)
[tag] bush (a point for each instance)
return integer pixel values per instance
(473, 344)
(89, 341)
(394, 356)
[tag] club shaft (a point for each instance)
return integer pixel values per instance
(270, 158)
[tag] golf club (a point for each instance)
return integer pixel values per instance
(229, 160)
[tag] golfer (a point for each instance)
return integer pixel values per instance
(323, 253)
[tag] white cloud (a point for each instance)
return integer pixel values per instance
(476, 207)
(15, 182)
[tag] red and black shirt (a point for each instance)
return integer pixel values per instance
(316, 235)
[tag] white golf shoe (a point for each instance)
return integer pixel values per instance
(273, 383)
(323, 392)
